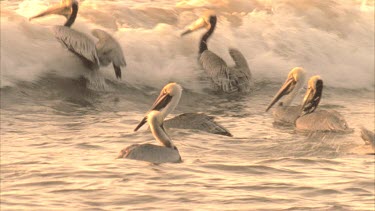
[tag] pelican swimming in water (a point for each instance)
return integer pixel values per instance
(166, 102)
(169, 98)
(167, 153)
(304, 116)
(107, 50)
(319, 120)
(227, 79)
(283, 112)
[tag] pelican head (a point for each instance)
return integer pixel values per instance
(295, 80)
(313, 95)
(67, 8)
(206, 21)
(166, 102)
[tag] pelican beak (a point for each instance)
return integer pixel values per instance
(312, 98)
(56, 9)
(307, 100)
(163, 100)
(188, 31)
(285, 89)
(198, 24)
(141, 123)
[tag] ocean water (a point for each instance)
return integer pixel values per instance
(60, 136)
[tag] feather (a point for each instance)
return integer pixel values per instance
(218, 71)
(323, 120)
(150, 153)
(228, 79)
(109, 50)
(79, 43)
(197, 121)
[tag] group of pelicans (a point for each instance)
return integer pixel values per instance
(224, 78)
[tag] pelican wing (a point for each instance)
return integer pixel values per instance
(241, 70)
(197, 121)
(109, 50)
(323, 120)
(218, 71)
(239, 59)
(78, 43)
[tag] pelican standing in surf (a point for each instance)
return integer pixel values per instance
(319, 120)
(225, 78)
(166, 102)
(107, 50)
(284, 113)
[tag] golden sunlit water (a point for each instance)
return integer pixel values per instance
(60, 136)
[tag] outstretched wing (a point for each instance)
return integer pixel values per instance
(109, 50)
(218, 71)
(197, 121)
(239, 59)
(78, 43)
(228, 79)
(241, 71)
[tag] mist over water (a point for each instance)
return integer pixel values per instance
(60, 133)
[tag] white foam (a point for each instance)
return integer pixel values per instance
(334, 39)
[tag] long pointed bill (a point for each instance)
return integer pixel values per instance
(56, 9)
(144, 120)
(286, 88)
(307, 101)
(312, 98)
(160, 103)
(188, 31)
(198, 24)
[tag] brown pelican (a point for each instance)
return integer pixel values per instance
(105, 51)
(166, 102)
(285, 113)
(167, 153)
(224, 78)
(320, 120)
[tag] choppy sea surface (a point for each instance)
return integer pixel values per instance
(60, 137)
